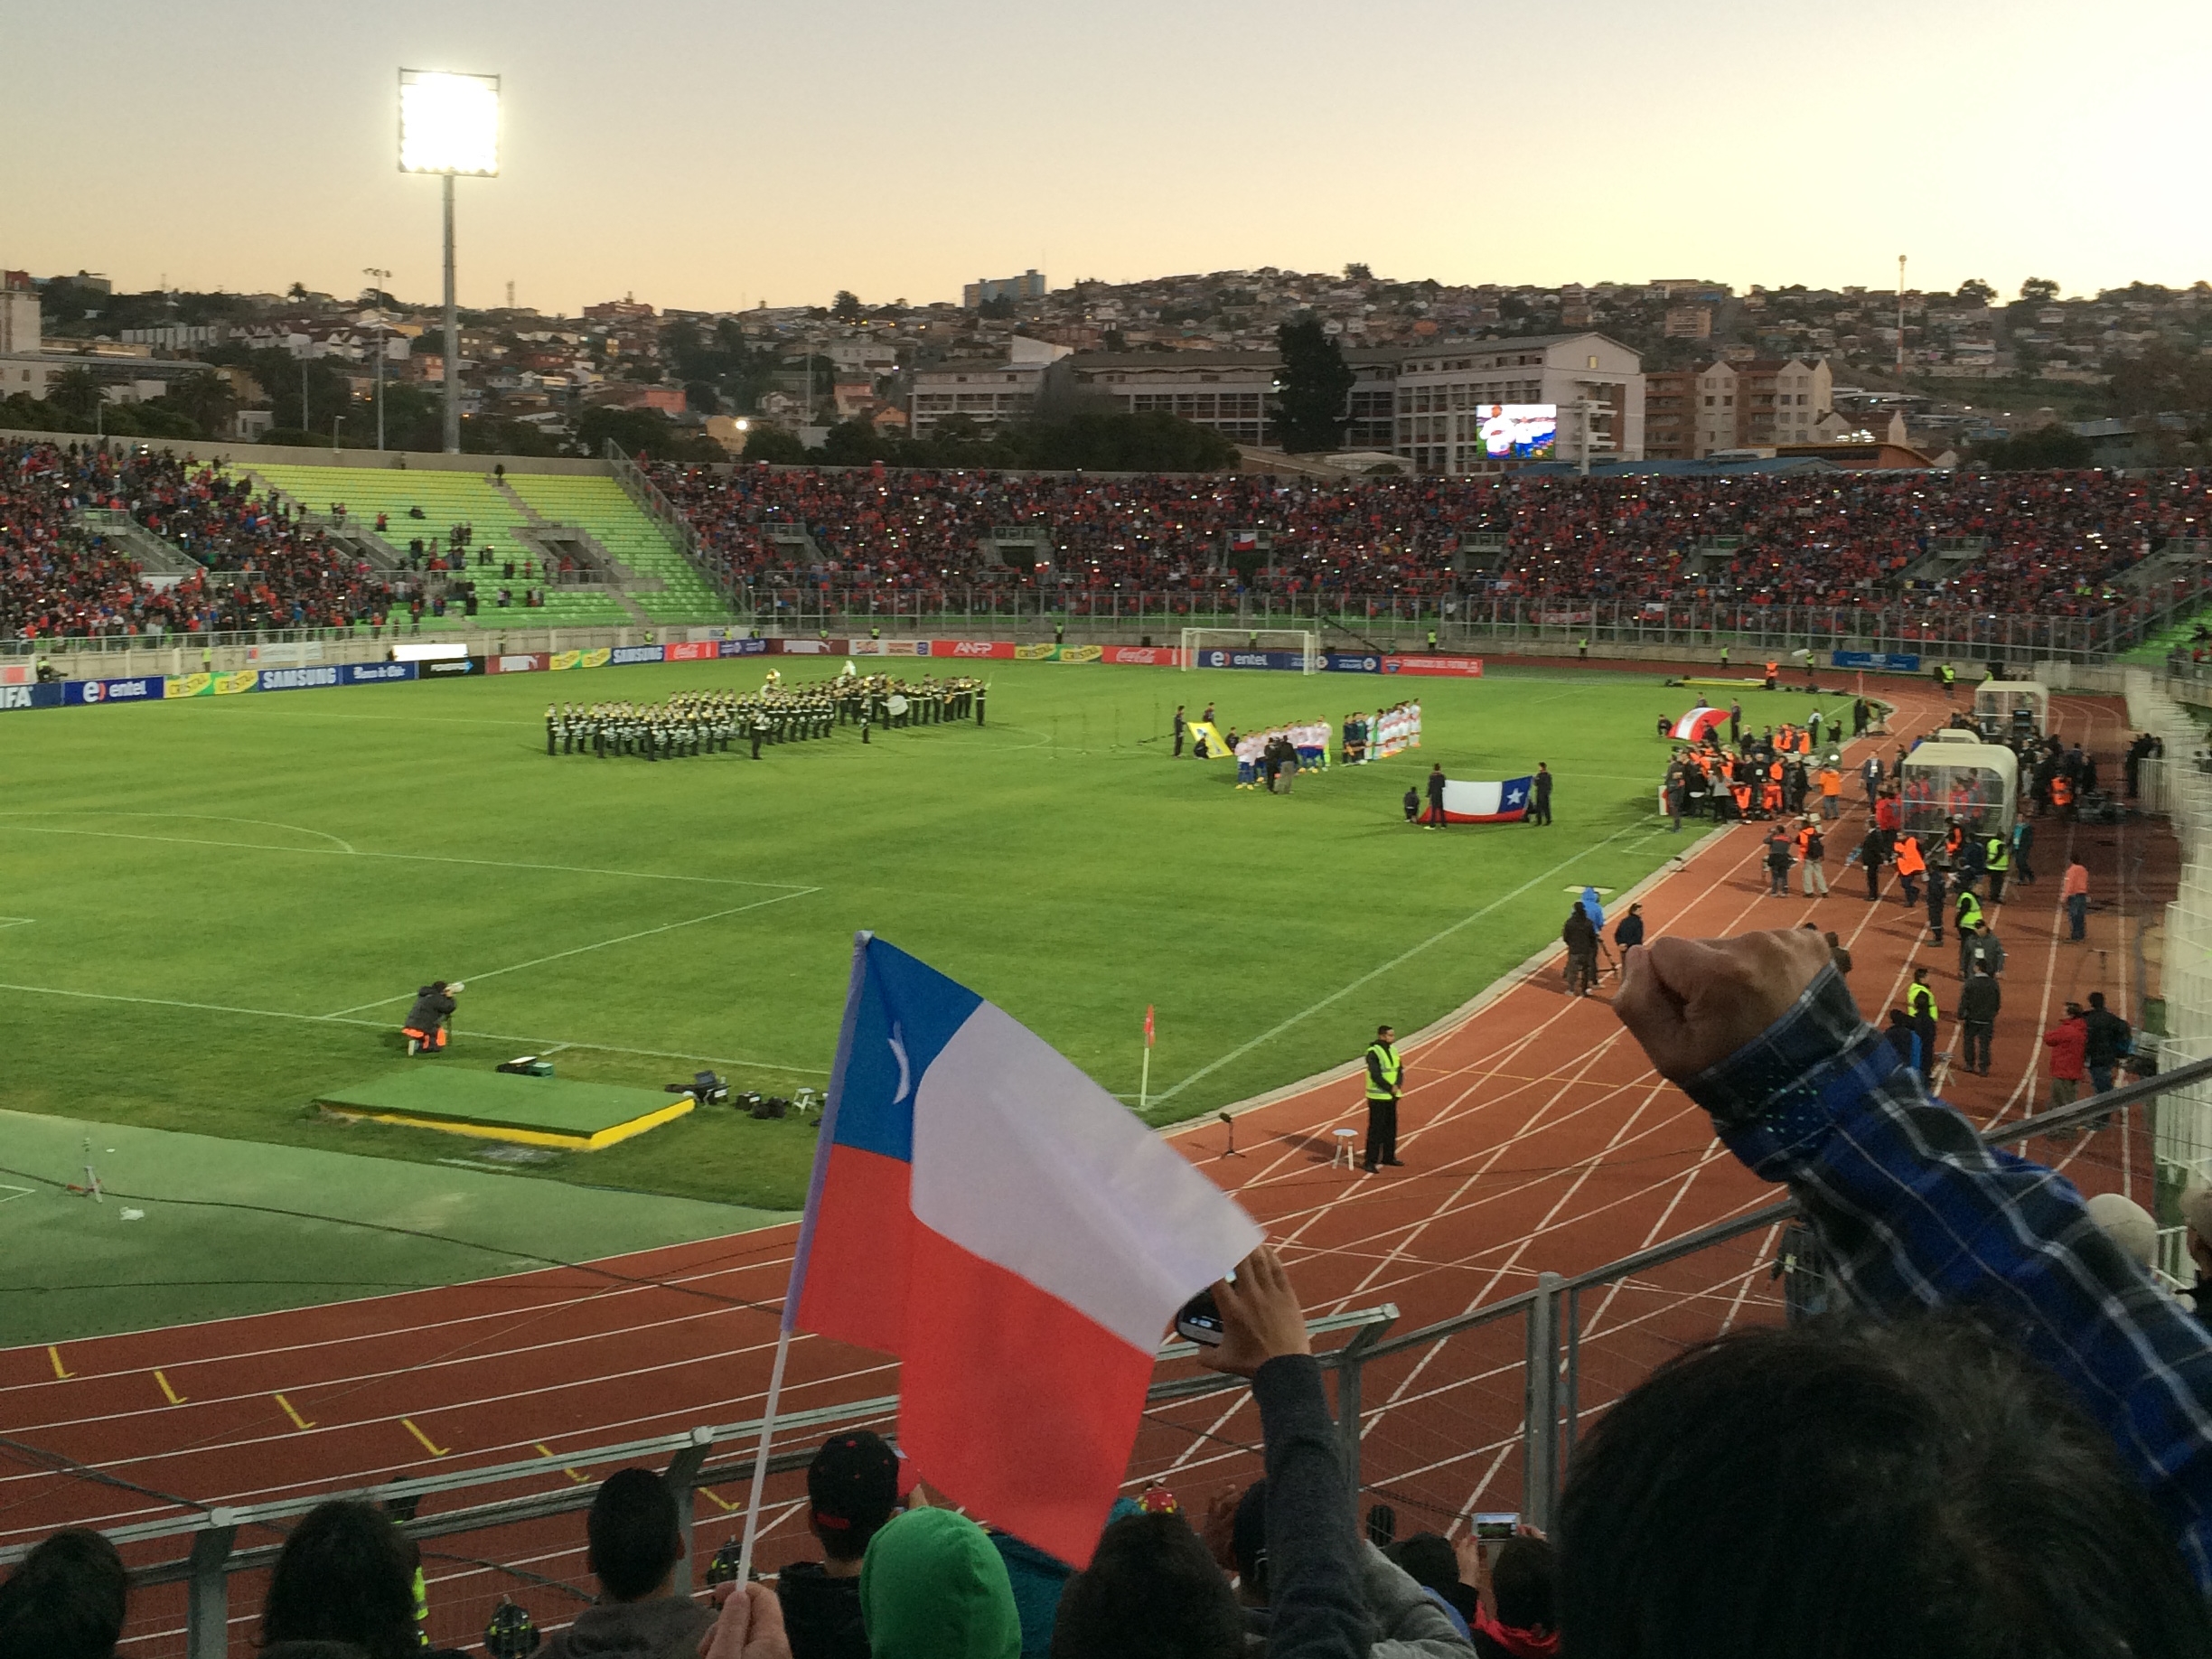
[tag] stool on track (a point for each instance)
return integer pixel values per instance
(1343, 1155)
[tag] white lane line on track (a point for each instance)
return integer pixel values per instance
(381, 1025)
(540, 961)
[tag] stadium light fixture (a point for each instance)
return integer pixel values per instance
(449, 125)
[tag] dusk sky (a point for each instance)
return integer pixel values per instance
(712, 156)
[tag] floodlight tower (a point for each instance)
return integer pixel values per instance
(449, 125)
(1901, 340)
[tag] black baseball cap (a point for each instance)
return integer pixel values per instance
(853, 1483)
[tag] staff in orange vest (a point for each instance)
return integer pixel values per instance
(2062, 795)
(1774, 674)
(1910, 864)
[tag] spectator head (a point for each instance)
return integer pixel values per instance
(2127, 1224)
(2073, 1010)
(1919, 976)
(852, 1488)
(1843, 1487)
(1150, 1592)
(2096, 1001)
(934, 1583)
(1429, 1562)
(66, 1599)
(2196, 1207)
(1385, 1033)
(1525, 1579)
(634, 1536)
(346, 1574)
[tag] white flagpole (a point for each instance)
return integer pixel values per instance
(825, 1131)
(759, 1456)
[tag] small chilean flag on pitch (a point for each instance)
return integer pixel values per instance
(1013, 1233)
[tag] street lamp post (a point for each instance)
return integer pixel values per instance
(382, 278)
(449, 125)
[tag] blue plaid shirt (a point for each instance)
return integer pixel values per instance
(1915, 1212)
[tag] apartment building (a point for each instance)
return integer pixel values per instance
(986, 390)
(1689, 413)
(1670, 420)
(1225, 390)
(1596, 382)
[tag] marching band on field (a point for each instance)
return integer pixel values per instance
(707, 722)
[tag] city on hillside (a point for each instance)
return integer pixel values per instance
(1184, 372)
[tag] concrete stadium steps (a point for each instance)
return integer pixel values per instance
(601, 507)
(447, 498)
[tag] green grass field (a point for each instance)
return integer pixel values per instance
(215, 907)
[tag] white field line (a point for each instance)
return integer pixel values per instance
(1404, 956)
(343, 851)
(540, 961)
(380, 1025)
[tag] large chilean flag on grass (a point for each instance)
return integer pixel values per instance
(1010, 1230)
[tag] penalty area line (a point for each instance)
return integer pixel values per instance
(540, 961)
(345, 851)
(380, 1025)
(1404, 956)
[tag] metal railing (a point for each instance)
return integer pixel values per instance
(651, 501)
(1481, 1410)
(203, 1551)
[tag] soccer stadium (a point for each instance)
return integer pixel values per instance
(629, 1048)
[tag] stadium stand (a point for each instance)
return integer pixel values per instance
(666, 586)
(501, 529)
(2055, 544)
(1941, 555)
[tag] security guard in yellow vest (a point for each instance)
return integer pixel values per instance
(1385, 1085)
(1997, 854)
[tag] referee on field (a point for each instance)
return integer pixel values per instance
(1385, 1084)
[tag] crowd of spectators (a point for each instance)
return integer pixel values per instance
(253, 564)
(1687, 552)
(2057, 543)
(2003, 1446)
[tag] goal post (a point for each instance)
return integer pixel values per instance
(1217, 647)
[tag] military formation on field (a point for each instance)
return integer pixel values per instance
(708, 722)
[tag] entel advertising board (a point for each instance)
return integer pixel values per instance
(140, 689)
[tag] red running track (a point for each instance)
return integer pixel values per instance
(1534, 1135)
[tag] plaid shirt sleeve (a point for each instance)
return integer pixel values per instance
(1917, 1213)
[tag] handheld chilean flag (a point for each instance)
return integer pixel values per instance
(1013, 1233)
(1486, 803)
(1693, 726)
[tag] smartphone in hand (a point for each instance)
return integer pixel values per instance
(1199, 1321)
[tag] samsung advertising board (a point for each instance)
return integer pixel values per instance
(1518, 431)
